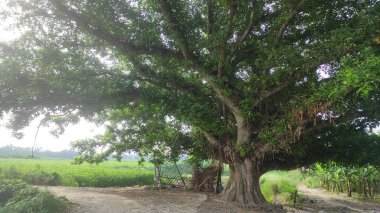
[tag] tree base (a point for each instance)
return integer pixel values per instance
(243, 187)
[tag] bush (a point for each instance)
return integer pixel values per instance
(35, 176)
(12, 173)
(8, 188)
(41, 177)
(17, 197)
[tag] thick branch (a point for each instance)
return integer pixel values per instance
(150, 76)
(248, 29)
(211, 138)
(166, 11)
(312, 65)
(310, 126)
(229, 32)
(128, 49)
(226, 100)
(293, 14)
(270, 93)
(101, 33)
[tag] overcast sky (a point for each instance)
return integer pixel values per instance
(45, 140)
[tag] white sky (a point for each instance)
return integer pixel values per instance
(6, 34)
(45, 140)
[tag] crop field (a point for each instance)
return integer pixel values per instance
(63, 172)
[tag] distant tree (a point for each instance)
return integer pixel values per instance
(242, 81)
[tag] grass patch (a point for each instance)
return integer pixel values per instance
(312, 182)
(360, 197)
(280, 187)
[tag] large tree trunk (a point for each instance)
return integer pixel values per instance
(243, 187)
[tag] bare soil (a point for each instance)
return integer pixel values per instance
(322, 201)
(141, 200)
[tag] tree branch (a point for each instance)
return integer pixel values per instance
(211, 139)
(311, 126)
(225, 99)
(270, 93)
(247, 30)
(312, 65)
(150, 76)
(129, 50)
(210, 17)
(229, 32)
(167, 13)
(101, 33)
(293, 14)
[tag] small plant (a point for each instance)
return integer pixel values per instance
(276, 189)
(40, 177)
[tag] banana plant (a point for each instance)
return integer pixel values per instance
(339, 178)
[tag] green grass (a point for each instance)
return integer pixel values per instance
(280, 186)
(111, 173)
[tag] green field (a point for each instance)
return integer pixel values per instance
(63, 172)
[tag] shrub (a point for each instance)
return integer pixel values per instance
(8, 188)
(17, 197)
(35, 176)
(41, 177)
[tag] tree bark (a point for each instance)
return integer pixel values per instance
(349, 188)
(243, 187)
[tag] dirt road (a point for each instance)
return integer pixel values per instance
(138, 200)
(319, 200)
(132, 200)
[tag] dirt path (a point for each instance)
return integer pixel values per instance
(320, 200)
(138, 200)
(131, 200)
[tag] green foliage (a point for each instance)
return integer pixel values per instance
(274, 133)
(38, 176)
(348, 144)
(17, 197)
(35, 175)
